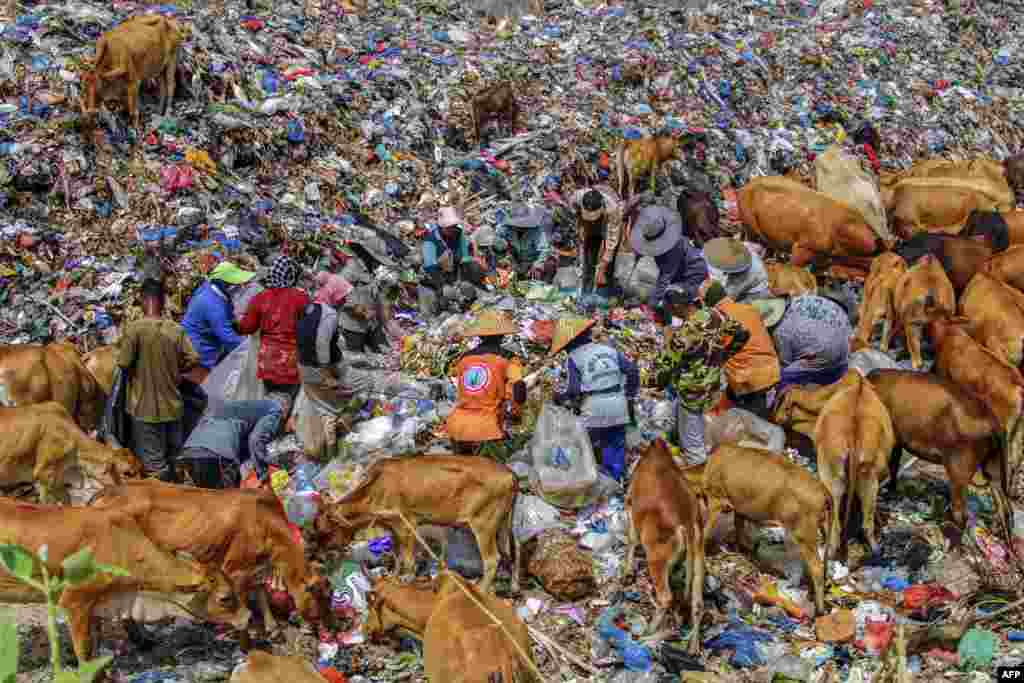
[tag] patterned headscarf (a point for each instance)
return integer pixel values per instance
(284, 273)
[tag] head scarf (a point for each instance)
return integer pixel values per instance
(284, 273)
(332, 289)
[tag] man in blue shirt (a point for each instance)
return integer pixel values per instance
(208, 320)
(525, 236)
(228, 435)
(446, 261)
(658, 232)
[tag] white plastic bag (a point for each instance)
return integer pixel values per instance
(533, 516)
(234, 378)
(745, 429)
(563, 458)
(636, 276)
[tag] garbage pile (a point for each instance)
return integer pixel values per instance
(308, 127)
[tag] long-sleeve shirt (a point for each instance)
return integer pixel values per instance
(434, 246)
(683, 264)
(156, 352)
(748, 285)
(274, 313)
(613, 212)
(238, 430)
(208, 324)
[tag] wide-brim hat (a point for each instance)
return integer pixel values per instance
(727, 255)
(568, 329)
(490, 324)
(771, 310)
(230, 273)
(448, 216)
(657, 229)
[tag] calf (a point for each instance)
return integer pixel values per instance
(664, 515)
(853, 438)
(643, 156)
(878, 305)
(996, 313)
(55, 372)
(495, 103)
(785, 279)
(961, 257)
(923, 292)
(939, 422)
(765, 487)
(42, 444)
(263, 667)
(237, 531)
(461, 643)
(798, 408)
(435, 489)
(971, 366)
(117, 542)
(1008, 267)
(139, 48)
(101, 363)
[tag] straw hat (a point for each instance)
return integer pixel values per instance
(231, 274)
(490, 324)
(448, 216)
(657, 229)
(727, 255)
(568, 329)
(771, 310)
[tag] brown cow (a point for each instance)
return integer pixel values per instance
(42, 444)
(878, 305)
(115, 541)
(939, 204)
(263, 667)
(461, 644)
(785, 279)
(635, 158)
(139, 48)
(798, 408)
(101, 363)
(963, 360)
(961, 257)
(1013, 168)
(985, 173)
(853, 438)
(55, 372)
(1008, 267)
(496, 103)
(789, 216)
(996, 312)
(923, 292)
(435, 489)
(765, 487)
(939, 422)
(237, 531)
(664, 515)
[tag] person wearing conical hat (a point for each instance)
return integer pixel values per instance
(489, 385)
(603, 382)
(738, 267)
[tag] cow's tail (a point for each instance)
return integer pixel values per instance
(851, 489)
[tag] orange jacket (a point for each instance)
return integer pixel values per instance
(756, 365)
(485, 387)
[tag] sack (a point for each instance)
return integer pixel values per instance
(744, 428)
(563, 458)
(115, 428)
(306, 329)
(234, 378)
(636, 275)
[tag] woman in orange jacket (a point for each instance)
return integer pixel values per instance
(490, 386)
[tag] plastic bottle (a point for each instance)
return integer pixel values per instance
(303, 501)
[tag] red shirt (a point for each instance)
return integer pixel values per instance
(274, 313)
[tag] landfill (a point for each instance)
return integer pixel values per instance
(313, 128)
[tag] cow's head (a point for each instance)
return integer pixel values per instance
(313, 599)
(940, 324)
(388, 604)
(332, 529)
(124, 465)
(217, 601)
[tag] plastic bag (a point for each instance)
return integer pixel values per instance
(636, 276)
(867, 360)
(234, 378)
(391, 434)
(114, 428)
(743, 427)
(841, 177)
(533, 516)
(563, 458)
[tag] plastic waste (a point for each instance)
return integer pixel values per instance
(302, 499)
(792, 668)
(743, 641)
(533, 516)
(563, 458)
(742, 426)
(611, 628)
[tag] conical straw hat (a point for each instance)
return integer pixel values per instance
(491, 323)
(568, 329)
